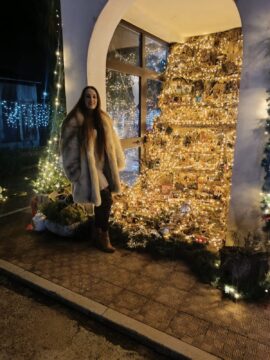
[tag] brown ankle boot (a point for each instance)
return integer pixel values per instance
(104, 242)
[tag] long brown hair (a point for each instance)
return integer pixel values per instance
(91, 121)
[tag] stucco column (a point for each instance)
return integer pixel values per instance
(88, 26)
(78, 20)
(245, 213)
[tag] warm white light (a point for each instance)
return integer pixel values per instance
(191, 163)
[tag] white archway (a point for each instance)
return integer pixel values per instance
(166, 22)
(96, 20)
(89, 25)
(115, 10)
(103, 31)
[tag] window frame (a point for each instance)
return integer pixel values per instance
(144, 74)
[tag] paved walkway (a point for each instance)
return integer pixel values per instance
(161, 293)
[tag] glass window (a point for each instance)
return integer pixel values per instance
(131, 172)
(122, 92)
(125, 46)
(132, 91)
(155, 55)
(152, 109)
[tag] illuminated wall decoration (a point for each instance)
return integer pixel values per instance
(31, 115)
(183, 191)
(21, 116)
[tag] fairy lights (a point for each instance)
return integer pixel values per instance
(31, 115)
(3, 197)
(58, 72)
(50, 174)
(232, 291)
(122, 103)
(183, 190)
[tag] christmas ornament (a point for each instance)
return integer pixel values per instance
(165, 232)
(201, 239)
(185, 208)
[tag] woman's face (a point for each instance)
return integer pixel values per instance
(90, 99)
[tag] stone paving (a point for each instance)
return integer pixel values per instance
(161, 293)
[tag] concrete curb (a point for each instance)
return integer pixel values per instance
(156, 339)
(14, 211)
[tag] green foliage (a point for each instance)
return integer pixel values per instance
(63, 214)
(196, 255)
(244, 269)
(265, 284)
(52, 210)
(50, 173)
(72, 214)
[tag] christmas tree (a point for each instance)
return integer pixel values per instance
(50, 173)
(183, 191)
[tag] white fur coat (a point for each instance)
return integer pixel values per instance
(80, 163)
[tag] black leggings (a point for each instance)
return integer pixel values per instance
(102, 212)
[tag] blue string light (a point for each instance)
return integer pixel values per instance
(31, 115)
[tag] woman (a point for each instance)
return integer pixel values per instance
(92, 157)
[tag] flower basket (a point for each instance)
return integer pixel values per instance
(63, 216)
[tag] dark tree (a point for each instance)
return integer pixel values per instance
(29, 34)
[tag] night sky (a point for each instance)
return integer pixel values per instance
(28, 39)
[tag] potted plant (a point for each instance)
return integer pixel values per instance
(63, 216)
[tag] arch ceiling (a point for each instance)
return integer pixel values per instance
(174, 20)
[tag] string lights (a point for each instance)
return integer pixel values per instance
(183, 190)
(50, 174)
(3, 197)
(121, 101)
(31, 115)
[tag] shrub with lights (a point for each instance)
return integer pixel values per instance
(51, 176)
(3, 197)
